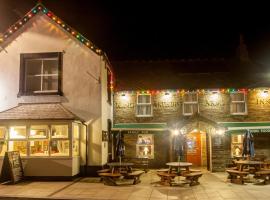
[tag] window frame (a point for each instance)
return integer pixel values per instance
(24, 57)
(144, 104)
(245, 102)
(190, 103)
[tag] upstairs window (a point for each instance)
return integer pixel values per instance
(190, 104)
(40, 73)
(238, 103)
(144, 105)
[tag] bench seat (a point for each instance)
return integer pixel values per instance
(263, 174)
(135, 175)
(166, 178)
(110, 178)
(236, 176)
(193, 178)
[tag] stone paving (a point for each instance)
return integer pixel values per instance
(213, 187)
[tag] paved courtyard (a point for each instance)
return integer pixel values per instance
(213, 187)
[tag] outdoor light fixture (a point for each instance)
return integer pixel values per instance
(175, 132)
(214, 96)
(123, 95)
(220, 132)
(264, 93)
(167, 93)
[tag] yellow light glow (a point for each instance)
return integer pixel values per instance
(214, 97)
(220, 132)
(264, 94)
(176, 132)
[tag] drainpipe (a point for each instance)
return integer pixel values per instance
(86, 148)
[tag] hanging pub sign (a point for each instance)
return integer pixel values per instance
(12, 170)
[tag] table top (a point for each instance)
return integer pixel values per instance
(179, 164)
(118, 164)
(248, 162)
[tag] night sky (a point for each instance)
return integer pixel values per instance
(136, 30)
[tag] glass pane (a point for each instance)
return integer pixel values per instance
(50, 66)
(238, 97)
(190, 97)
(190, 108)
(38, 131)
(145, 151)
(17, 132)
(238, 108)
(75, 147)
(59, 131)
(3, 131)
(39, 148)
(144, 110)
(50, 83)
(144, 99)
(32, 69)
(59, 147)
(20, 146)
(3, 147)
(76, 132)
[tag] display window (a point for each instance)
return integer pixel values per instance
(60, 148)
(40, 131)
(75, 141)
(59, 131)
(145, 146)
(3, 132)
(39, 148)
(17, 132)
(237, 145)
(3, 147)
(20, 146)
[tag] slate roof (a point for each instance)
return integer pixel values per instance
(190, 74)
(38, 111)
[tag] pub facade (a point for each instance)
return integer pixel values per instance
(210, 122)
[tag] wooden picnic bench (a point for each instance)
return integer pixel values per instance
(193, 178)
(236, 176)
(166, 178)
(110, 178)
(263, 174)
(135, 175)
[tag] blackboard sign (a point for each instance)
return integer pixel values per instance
(12, 169)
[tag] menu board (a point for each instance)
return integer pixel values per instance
(12, 169)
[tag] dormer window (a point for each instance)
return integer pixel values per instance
(40, 73)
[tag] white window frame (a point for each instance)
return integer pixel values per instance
(232, 102)
(189, 103)
(143, 104)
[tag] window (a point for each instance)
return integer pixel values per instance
(17, 132)
(20, 146)
(39, 147)
(237, 145)
(76, 137)
(238, 103)
(3, 143)
(59, 131)
(38, 131)
(190, 104)
(40, 73)
(145, 146)
(144, 106)
(59, 147)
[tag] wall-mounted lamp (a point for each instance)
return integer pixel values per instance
(220, 132)
(167, 93)
(176, 132)
(214, 96)
(123, 95)
(264, 94)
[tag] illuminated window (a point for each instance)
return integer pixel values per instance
(3, 147)
(38, 131)
(238, 103)
(145, 146)
(20, 146)
(39, 148)
(144, 105)
(17, 132)
(40, 73)
(59, 131)
(237, 145)
(190, 103)
(3, 132)
(75, 141)
(60, 148)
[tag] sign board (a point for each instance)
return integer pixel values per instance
(12, 169)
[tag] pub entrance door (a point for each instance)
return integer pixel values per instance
(196, 148)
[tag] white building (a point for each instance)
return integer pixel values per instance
(55, 97)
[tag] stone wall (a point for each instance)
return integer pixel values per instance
(169, 107)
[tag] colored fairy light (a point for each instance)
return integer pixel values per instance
(59, 22)
(49, 14)
(20, 23)
(39, 7)
(29, 15)
(54, 18)
(34, 11)
(78, 36)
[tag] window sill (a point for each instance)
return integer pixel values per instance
(144, 116)
(240, 114)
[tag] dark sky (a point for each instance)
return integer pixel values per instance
(128, 30)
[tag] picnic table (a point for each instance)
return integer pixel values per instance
(121, 167)
(256, 165)
(179, 166)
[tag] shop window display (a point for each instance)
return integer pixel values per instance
(145, 146)
(59, 131)
(59, 147)
(17, 132)
(20, 146)
(39, 148)
(237, 145)
(38, 131)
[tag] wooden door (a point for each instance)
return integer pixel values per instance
(193, 147)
